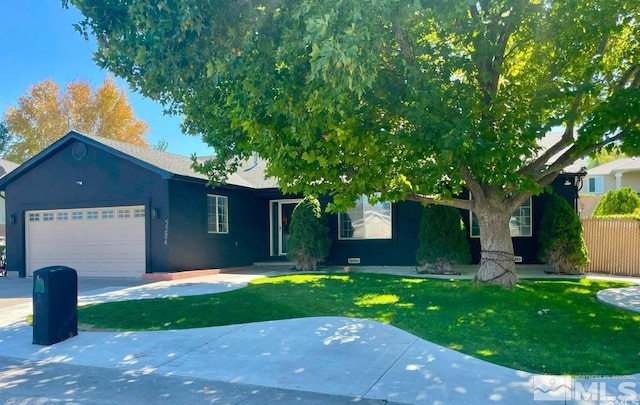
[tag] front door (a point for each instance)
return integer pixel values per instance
(281, 211)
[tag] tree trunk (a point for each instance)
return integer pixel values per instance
(497, 263)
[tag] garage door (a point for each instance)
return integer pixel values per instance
(96, 242)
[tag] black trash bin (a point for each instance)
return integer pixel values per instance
(55, 304)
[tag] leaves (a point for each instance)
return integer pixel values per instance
(617, 202)
(44, 115)
(399, 97)
(308, 241)
(561, 241)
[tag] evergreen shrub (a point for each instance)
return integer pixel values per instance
(562, 244)
(308, 241)
(614, 202)
(442, 239)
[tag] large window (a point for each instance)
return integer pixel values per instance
(217, 214)
(519, 224)
(365, 221)
(595, 185)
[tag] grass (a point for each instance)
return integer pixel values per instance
(541, 326)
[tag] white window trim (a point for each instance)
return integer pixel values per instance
(390, 219)
(472, 215)
(226, 214)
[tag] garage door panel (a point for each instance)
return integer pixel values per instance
(100, 242)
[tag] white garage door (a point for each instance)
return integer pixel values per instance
(96, 242)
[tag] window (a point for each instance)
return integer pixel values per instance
(92, 214)
(47, 216)
(138, 212)
(63, 216)
(217, 214)
(77, 215)
(595, 185)
(124, 213)
(520, 223)
(34, 217)
(366, 220)
(107, 214)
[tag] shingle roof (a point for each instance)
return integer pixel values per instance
(551, 139)
(250, 174)
(618, 165)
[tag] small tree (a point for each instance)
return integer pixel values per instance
(308, 241)
(561, 243)
(622, 201)
(443, 239)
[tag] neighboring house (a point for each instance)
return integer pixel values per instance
(619, 173)
(107, 208)
(5, 167)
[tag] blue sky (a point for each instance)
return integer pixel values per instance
(37, 42)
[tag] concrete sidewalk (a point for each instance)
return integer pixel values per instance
(324, 359)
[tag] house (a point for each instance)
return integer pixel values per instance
(112, 209)
(619, 173)
(614, 175)
(6, 166)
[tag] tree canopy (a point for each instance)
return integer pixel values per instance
(44, 114)
(412, 99)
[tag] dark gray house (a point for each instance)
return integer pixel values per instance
(112, 209)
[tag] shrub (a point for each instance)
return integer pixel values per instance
(622, 201)
(442, 238)
(561, 243)
(308, 241)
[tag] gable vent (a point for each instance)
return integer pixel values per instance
(79, 150)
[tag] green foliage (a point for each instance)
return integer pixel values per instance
(161, 145)
(622, 201)
(406, 98)
(442, 236)
(308, 241)
(605, 155)
(561, 242)
(401, 98)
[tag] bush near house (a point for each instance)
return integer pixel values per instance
(561, 241)
(442, 239)
(614, 202)
(308, 235)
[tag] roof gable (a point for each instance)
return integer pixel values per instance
(167, 165)
(630, 164)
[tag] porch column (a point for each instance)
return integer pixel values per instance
(618, 180)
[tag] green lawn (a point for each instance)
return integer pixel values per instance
(543, 326)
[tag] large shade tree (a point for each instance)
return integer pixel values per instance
(413, 99)
(46, 112)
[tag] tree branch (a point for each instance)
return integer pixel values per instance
(405, 48)
(455, 202)
(633, 71)
(572, 153)
(470, 182)
(565, 140)
(567, 136)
